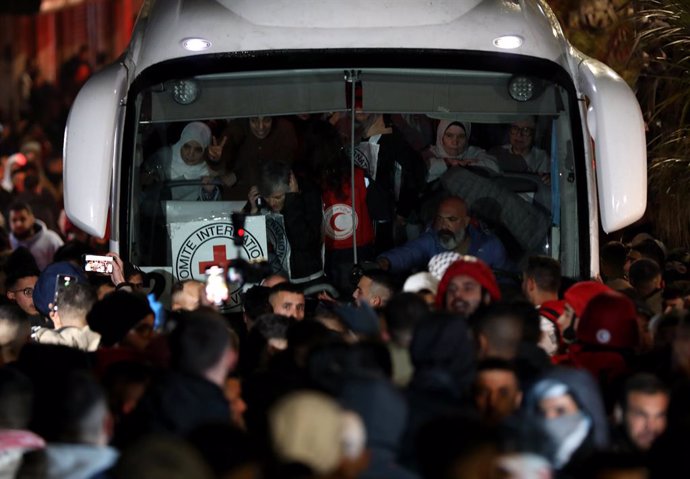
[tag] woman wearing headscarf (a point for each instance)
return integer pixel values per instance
(452, 148)
(185, 160)
(567, 405)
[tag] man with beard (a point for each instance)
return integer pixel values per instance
(27, 231)
(468, 286)
(451, 230)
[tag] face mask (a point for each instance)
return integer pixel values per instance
(559, 429)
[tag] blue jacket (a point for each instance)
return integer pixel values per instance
(416, 253)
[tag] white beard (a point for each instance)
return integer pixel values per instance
(450, 240)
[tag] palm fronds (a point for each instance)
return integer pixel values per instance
(663, 42)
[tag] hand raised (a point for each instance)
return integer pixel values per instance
(215, 149)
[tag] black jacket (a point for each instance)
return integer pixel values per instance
(175, 403)
(303, 215)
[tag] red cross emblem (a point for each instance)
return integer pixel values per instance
(219, 258)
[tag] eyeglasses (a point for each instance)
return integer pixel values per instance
(525, 130)
(28, 292)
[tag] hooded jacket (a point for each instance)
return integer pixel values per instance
(42, 244)
(444, 360)
(584, 390)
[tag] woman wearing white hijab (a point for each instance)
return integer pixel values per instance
(185, 160)
(453, 149)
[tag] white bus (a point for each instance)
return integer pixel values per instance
(488, 62)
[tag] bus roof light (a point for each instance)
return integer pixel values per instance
(196, 44)
(508, 42)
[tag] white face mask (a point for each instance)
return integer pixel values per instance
(560, 428)
(567, 433)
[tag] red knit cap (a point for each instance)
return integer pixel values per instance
(475, 269)
(610, 319)
(579, 294)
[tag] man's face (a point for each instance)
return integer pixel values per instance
(190, 297)
(276, 201)
(21, 223)
(521, 136)
(464, 295)
(288, 304)
(645, 418)
(261, 126)
(17, 294)
(451, 216)
(362, 293)
(497, 394)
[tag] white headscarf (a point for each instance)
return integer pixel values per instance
(17, 158)
(443, 125)
(195, 131)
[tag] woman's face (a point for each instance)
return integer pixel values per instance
(558, 406)
(454, 140)
(260, 126)
(192, 153)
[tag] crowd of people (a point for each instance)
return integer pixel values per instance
(444, 373)
(296, 171)
(425, 365)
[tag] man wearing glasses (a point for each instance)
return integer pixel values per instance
(521, 146)
(20, 290)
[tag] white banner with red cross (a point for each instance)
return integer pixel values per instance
(198, 244)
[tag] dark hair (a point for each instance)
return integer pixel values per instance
(286, 287)
(274, 175)
(20, 264)
(272, 326)
(199, 341)
(614, 253)
(501, 326)
(402, 312)
(382, 279)
(71, 251)
(493, 364)
(256, 302)
(16, 399)
(545, 271)
(79, 298)
(643, 272)
(116, 314)
(20, 206)
(649, 248)
(644, 383)
(326, 158)
(531, 323)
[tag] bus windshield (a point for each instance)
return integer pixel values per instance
(501, 142)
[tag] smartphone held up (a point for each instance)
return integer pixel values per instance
(98, 264)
